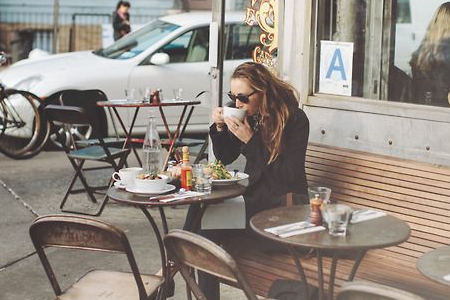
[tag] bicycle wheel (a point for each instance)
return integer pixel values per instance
(22, 125)
(2, 119)
(44, 134)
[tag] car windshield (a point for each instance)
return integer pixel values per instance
(136, 42)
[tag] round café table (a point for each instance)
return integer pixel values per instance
(436, 265)
(372, 234)
(217, 195)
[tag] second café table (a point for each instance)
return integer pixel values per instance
(376, 233)
(217, 195)
(435, 265)
(172, 137)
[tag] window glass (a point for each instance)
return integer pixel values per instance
(138, 41)
(241, 40)
(177, 49)
(397, 55)
(192, 46)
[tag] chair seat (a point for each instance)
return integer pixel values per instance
(95, 153)
(110, 142)
(111, 285)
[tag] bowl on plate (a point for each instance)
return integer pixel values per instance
(147, 184)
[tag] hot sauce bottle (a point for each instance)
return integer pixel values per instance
(186, 170)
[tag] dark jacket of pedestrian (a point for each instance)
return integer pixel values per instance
(121, 20)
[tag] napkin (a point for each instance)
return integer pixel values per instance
(294, 229)
(175, 196)
(365, 214)
(446, 277)
(230, 214)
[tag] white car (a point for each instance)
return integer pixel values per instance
(170, 52)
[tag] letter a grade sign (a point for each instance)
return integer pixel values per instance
(336, 65)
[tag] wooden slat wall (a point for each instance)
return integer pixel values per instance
(417, 193)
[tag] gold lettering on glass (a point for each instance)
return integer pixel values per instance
(264, 13)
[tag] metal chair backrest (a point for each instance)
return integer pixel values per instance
(359, 290)
(67, 115)
(82, 233)
(88, 100)
(189, 250)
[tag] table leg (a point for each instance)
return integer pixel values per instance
(320, 274)
(164, 261)
(332, 277)
(301, 271)
(128, 132)
(163, 220)
(172, 138)
(356, 264)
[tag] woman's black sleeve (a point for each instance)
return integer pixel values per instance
(226, 146)
(289, 166)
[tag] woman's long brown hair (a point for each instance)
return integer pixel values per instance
(429, 55)
(278, 102)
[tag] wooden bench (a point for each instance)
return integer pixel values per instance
(417, 193)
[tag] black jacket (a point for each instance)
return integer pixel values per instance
(120, 28)
(268, 184)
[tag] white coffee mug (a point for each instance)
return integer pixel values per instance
(126, 176)
(234, 112)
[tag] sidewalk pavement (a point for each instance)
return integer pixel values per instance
(34, 187)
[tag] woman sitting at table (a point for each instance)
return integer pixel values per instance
(273, 138)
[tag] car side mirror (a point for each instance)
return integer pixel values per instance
(160, 59)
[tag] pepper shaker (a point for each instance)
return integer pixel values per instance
(315, 215)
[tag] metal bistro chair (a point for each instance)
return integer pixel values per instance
(189, 250)
(363, 290)
(88, 100)
(82, 233)
(69, 116)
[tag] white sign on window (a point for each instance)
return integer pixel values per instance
(336, 65)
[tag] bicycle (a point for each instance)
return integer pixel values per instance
(24, 129)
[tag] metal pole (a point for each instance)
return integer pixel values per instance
(216, 58)
(55, 26)
(218, 17)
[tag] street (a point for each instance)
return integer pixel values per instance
(35, 187)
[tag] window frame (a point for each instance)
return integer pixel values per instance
(310, 97)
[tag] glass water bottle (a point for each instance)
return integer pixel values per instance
(152, 148)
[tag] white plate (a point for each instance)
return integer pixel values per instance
(240, 176)
(119, 185)
(135, 190)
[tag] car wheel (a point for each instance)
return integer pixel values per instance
(77, 133)
(74, 133)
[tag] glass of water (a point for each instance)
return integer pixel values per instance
(201, 178)
(338, 216)
(129, 94)
(178, 94)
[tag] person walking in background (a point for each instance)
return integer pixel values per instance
(430, 63)
(121, 20)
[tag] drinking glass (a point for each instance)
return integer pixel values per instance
(129, 94)
(338, 216)
(178, 94)
(201, 178)
(147, 94)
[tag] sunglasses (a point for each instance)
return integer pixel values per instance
(241, 97)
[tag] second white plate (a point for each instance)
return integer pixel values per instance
(135, 190)
(239, 176)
